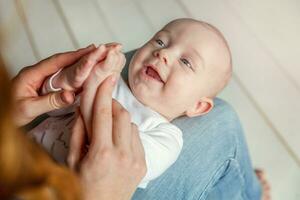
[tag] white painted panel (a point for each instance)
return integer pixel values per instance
(161, 12)
(276, 96)
(86, 22)
(265, 149)
(15, 47)
(46, 26)
(126, 21)
(277, 25)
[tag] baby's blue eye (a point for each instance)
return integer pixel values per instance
(160, 42)
(186, 62)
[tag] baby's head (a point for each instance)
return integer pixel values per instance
(181, 69)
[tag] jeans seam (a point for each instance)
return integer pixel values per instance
(231, 159)
(210, 182)
(220, 166)
(241, 175)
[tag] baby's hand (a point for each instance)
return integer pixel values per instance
(73, 77)
(112, 63)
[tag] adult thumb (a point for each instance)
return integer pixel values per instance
(50, 102)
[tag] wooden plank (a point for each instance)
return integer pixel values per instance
(126, 21)
(47, 28)
(159, 12)
(266, 151)
(15, 46)
(279, 32)
(276, 97)
(85, 22)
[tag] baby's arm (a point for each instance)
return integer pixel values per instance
(162, 147)
(113, 64)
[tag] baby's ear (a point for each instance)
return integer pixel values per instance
(201, 107)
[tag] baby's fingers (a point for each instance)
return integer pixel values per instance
(77, 142)
(115, 62)
(122, 61)
(90, 60)
(109, 63)
(99, 54)
(95, 56)
(114, 45)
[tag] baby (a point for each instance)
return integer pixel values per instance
(176, 73)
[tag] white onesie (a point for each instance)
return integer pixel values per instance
(162, 141)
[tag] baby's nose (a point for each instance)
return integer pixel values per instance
(162, 56)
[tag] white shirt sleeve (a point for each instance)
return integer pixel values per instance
(162, 146)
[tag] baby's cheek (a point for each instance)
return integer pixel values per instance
(134, 68)
(142, 55)
(176, 81)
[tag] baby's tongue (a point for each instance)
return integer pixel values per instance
(153, 73)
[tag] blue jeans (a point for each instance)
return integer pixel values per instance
(214, 162)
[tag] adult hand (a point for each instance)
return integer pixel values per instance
(26, 85)
(115, 161)
(113, 63)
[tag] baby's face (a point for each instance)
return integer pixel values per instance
(169, 73)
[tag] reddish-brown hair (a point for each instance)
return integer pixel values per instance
(26, 170)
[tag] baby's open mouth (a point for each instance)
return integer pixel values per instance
(153, 73)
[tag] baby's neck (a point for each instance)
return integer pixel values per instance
(127, 83)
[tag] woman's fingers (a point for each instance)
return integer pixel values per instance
(54, 63)
(98, 54)
(30, 108)
(99, 73)
(138, 154)
(137, 146)
(126, 139)
(102, 113)
(89, 61)
(121, 127)
(77, 142)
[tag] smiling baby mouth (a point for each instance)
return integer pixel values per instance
(150, 71)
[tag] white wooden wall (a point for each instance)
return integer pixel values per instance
(263, 36)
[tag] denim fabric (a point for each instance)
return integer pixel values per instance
(214, 162)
